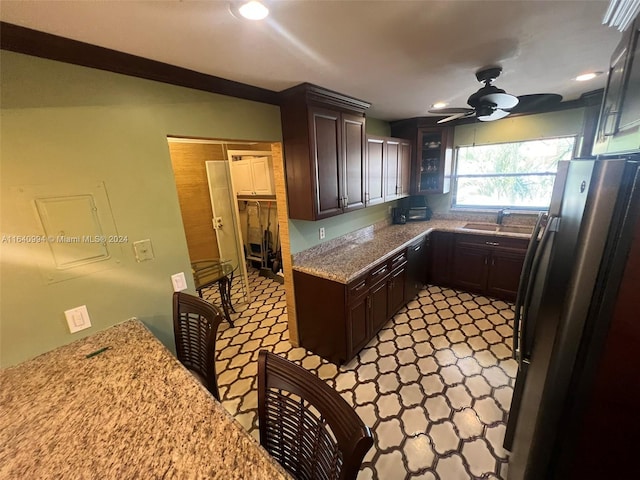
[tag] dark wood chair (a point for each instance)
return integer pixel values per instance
(195, 324)
(306, 425)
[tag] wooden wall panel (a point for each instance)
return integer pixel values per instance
(193, 194)
(279, 176)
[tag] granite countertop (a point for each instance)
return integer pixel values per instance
(132, 411)
(345, 258)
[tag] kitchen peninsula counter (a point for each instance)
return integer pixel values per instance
(344, 258)
(130, 411)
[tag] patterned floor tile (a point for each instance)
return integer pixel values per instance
(435, 384)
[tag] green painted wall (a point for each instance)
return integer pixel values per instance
(381, 128)
(304, 234)
(62, 123)
(511, 129)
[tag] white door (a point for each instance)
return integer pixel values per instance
(242, 175)
(225, 221)
(261, 172)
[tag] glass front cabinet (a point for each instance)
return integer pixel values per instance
(433, 162)
(432, 154)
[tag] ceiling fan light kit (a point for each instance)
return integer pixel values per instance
(250, 10)
(491, 103)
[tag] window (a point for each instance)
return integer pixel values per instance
(516, 175)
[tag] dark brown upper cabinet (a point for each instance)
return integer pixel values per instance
(388, 169)
(619, 123)
(324, 150)
(432, 154)
(376, 156)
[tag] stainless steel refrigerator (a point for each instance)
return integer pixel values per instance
(568, 291)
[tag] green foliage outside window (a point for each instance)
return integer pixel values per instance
(517, 175)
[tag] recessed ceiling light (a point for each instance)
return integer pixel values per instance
(253, 10)
(439, 105)
(587, 76)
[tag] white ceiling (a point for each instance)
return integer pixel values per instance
(402, 56)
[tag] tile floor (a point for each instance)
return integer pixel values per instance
(434, 385)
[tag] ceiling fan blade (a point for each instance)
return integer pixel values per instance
(468, 113)
(536, 102)
(451, 111)
(502, 100)
(497, 114)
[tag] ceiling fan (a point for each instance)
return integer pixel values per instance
(492, 103)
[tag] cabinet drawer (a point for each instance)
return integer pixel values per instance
(398, 260)
(357, 288)
(379, 272)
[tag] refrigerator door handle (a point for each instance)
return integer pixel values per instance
(552, 226)
(524, 281)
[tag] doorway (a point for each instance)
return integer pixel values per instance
(189, 157)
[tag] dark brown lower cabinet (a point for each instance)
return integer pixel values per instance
(396, 285)
(504, 273)
(358, 329)
(378, 308)
(417, 264)
(336, 320)
(488, 264)
(441, 257)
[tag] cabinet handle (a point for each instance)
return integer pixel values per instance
(493, 262)
(359, 287)
(378, 272)
(485, 260)
(493, 244)
(417, 248)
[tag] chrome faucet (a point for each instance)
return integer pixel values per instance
(503, 212)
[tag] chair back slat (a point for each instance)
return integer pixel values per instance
(306, 425)
(195, 324)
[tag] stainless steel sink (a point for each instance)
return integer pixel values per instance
(492, 227)
(489, 227)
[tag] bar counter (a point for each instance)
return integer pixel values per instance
(130, 411)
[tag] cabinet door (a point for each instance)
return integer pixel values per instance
(433, 160)
(470, 267)
(374, 192)
(325, 147)
(358, 330)
(504, 274)
(353, 151)
(416, 269)
(391, 182)
(378, 297)
(441, 246)
(242, 177)
(261, 174)
(397, 283)
(404, 155)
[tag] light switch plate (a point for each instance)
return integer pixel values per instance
(143, 250)
(77, 318)
(179, 282)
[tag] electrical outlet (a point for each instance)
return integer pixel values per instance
(321, 233)
(179, 282)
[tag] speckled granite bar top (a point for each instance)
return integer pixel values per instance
(132, 411)
(344, 258)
